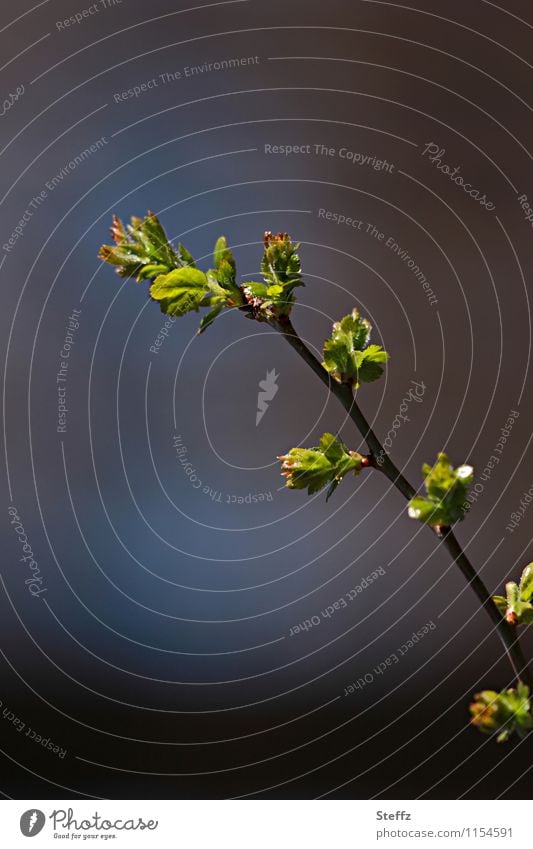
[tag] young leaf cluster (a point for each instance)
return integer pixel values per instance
(503, 713)
(517, 606)
(446, 490)
(143, 251)
(348, 356)
(315, 468)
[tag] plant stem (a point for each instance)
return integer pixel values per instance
(506, 632)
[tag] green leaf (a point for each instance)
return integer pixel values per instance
(331, 447)
(356, 328)
(281, 264)
(180, 291)
(513, 594)
(281, 270)
(503, 713)
(424, 510)
(257, 290)
(315, 468)
(446, 489)
(347, 355)
(501, 603)
(525, 614)
(185, 257)
(226, 275)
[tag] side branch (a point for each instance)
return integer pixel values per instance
(343, 392)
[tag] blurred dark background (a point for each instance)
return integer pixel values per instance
(158, 657)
